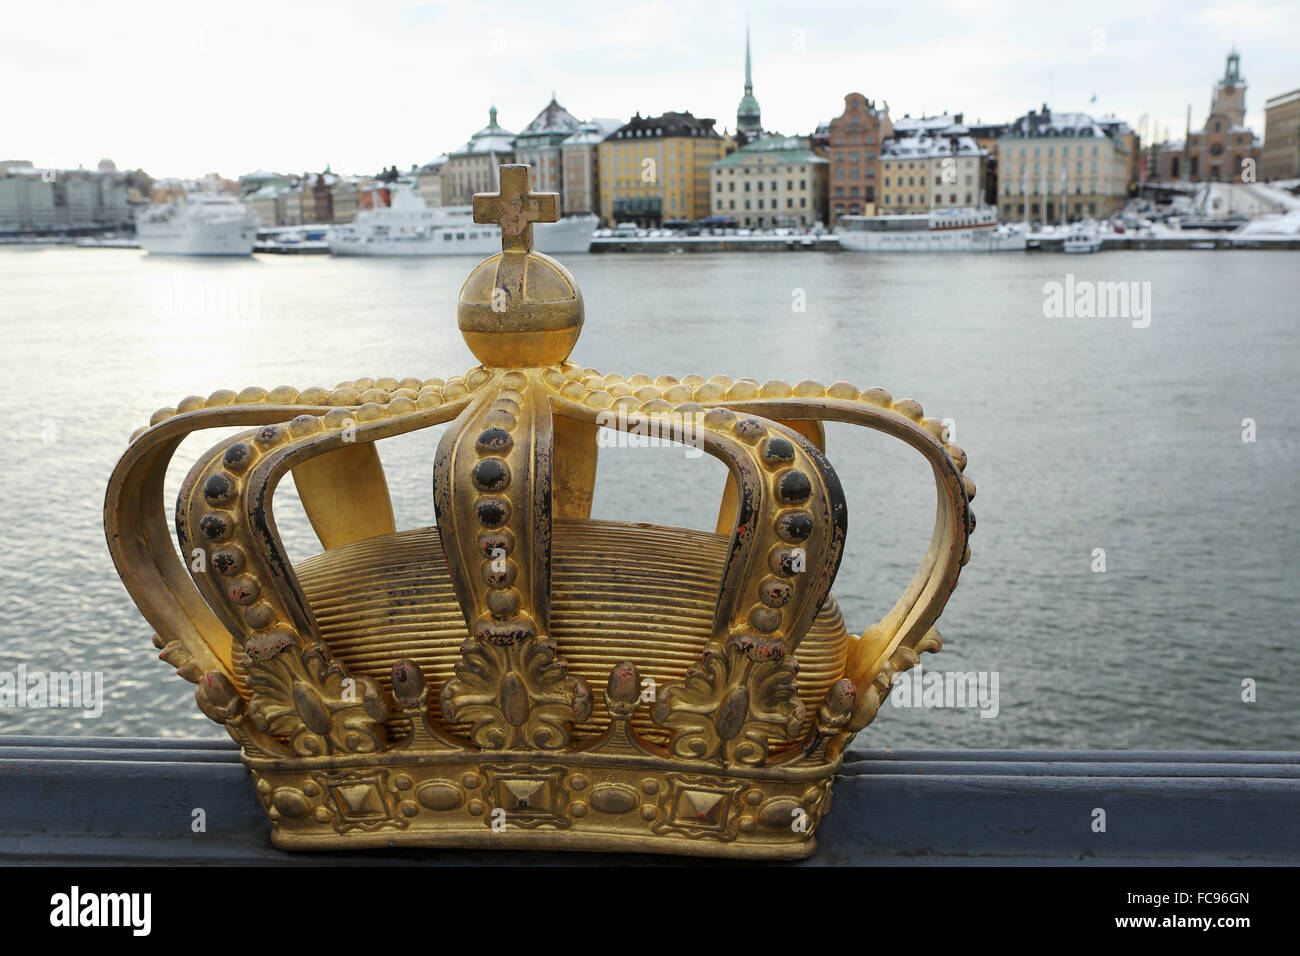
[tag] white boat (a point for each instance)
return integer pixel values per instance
(206, 224)
(407, 227)
(940, 230)
(1081, 239)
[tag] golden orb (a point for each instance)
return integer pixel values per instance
(520, 310)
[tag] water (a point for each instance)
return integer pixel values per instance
(1082, 434)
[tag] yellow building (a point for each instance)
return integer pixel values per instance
(654, 169)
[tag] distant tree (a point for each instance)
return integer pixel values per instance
(139, 179)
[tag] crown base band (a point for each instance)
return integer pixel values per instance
(545, 801)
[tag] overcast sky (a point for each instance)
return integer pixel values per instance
(181, 88)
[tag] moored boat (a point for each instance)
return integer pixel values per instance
(1081, 239)
(940, 230)
(407, 227)
(205, 224)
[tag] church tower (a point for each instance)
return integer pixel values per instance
(749, 122)
(1229, 98)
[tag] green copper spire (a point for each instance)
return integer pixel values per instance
(749, 78)
(748, 117)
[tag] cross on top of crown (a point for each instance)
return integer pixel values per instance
(516, 208)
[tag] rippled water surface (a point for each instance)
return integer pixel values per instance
(1082, 434)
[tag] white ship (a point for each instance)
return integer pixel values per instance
(941, 230)
(408, 227)
(207, 224)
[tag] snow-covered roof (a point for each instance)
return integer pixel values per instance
(785, 149)
(1117, 126)
(553, 119)
(926, 147)
(1048, 123)
(593, 131)
(492, 138)
(911, 125)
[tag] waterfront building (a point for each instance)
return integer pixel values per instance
(262, 203)
(821, 138)
(928, 169)
(26, 201)
(1280, 158)
(1124, 134)
(41, 200)
(473, 167)
(1059, 167)
(776, 181)
(654, 169)
(986, 136)
(749, 118)
(430, 181)
(1217, 153)
(288, 206)
(856, 136)
(1167, 161)
(538, 144)
(344, 200)
(580, 162)
(169, 189)
(318, 197)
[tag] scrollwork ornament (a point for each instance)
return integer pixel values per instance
(516, 695)
(303, 696)
(732, 702)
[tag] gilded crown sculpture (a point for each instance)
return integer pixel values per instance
(519, 674)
